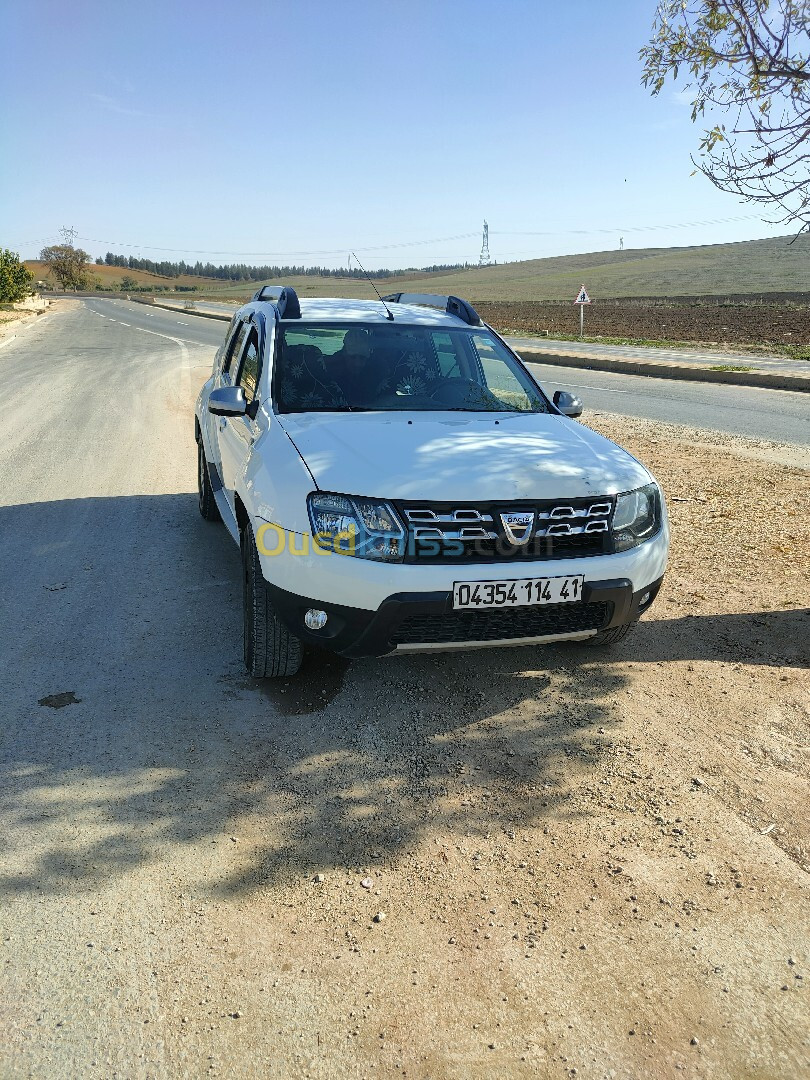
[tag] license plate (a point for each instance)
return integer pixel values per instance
(521, 593)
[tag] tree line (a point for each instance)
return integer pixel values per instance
(243, 272)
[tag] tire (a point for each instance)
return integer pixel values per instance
(611, 636)
(206, 501)
(271, 651)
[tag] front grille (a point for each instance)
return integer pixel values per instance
(500, 623)
(464, 533)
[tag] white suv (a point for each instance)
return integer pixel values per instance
(397, 481)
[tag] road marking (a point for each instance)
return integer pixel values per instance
(185, 361)
(8, 340)
(585, 386)
(582, 386)
(126, 324)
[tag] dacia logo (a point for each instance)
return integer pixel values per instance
(518, 526)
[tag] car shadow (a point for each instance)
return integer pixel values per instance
(774, 638)
(132, 732)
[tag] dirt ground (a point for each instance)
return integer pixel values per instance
(737, 324)
(544, 862)
(11, 320)
(589, 865)
(580, 865)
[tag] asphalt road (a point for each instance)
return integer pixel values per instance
(775, 415)
(185, 849)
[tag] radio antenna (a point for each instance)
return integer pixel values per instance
(374, 287)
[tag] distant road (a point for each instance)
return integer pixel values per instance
(758, 414)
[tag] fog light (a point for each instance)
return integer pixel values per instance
(645, 599)
(314, 619)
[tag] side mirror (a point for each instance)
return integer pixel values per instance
(568, 404)
(227, 401)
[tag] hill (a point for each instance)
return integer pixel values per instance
(749, 267)
(110, 277)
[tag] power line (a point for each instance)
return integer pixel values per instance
(635, 228)
(418, 243)
(71, 235)
(278, 254)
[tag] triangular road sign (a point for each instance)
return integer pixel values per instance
(582, 296)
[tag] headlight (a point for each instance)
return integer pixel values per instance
(365, 528)
(637, 517)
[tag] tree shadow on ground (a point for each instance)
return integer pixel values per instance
(132, 604)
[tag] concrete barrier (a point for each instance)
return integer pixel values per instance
(666, 369)
(183, 311)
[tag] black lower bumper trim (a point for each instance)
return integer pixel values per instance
(499, 624)
(414, 619)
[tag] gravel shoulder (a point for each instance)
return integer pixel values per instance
(582, 864)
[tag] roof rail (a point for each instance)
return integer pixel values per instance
(284, 297)
(453, 305)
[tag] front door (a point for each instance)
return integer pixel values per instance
(238, 432)
(228, 371)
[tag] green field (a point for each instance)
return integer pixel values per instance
(749, 267)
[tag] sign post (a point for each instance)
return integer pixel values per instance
(582, 299)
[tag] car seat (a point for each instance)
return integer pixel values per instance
(305, 382)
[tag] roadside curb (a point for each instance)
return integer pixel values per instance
(185, 311)
(659, 369)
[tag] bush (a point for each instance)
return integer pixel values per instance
(15, 278)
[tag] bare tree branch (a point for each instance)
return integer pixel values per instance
(752, 58)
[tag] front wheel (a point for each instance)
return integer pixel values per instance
(612, 635)
(271, 651)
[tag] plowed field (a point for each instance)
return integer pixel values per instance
(731, 324)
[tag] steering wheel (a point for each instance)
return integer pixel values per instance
(459, 390)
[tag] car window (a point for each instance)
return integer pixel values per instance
(249, 370)
(328, 340)
(499, 376)
(397, 367)
(448, 354)
(235, 347)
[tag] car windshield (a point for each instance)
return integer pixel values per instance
(340, 368)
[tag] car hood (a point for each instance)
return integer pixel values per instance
(469, 458)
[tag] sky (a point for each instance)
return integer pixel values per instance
(298, 132)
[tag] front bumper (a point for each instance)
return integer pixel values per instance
(418, 622)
